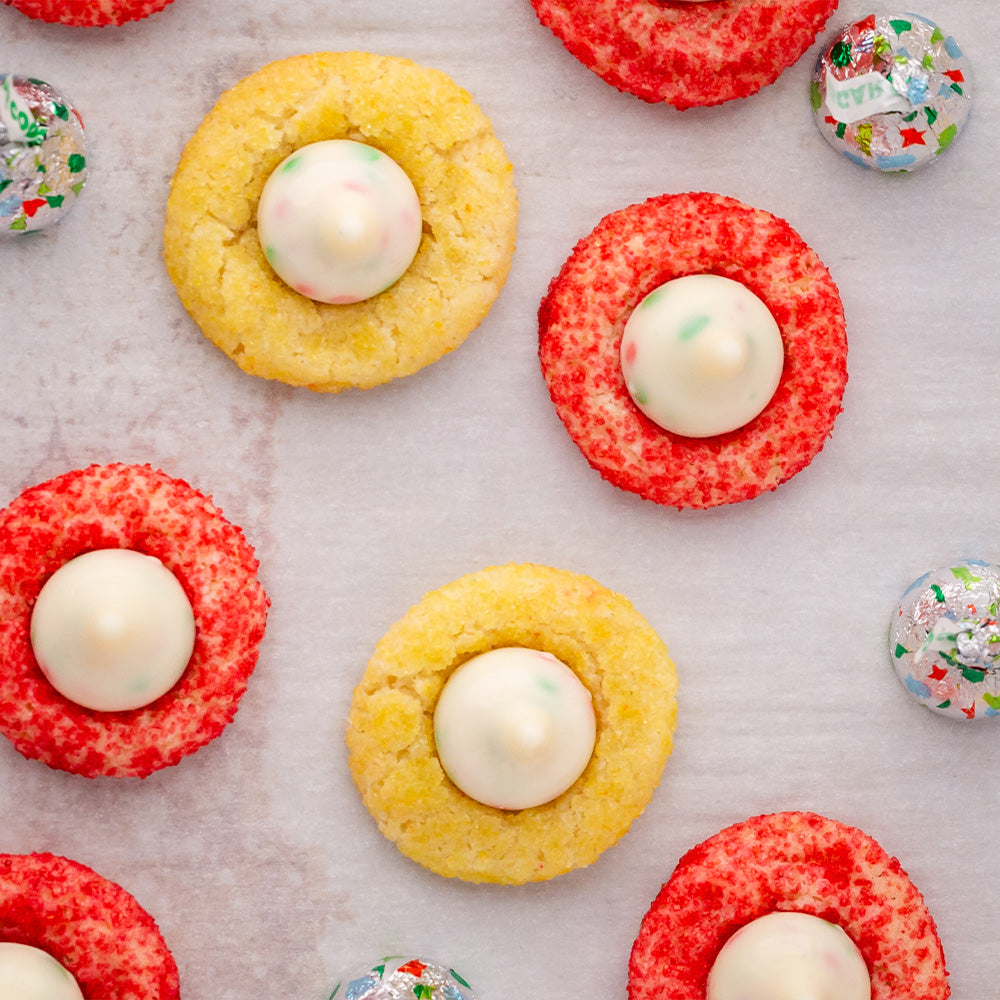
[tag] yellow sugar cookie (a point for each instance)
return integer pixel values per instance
(610, 648)
(442, 141)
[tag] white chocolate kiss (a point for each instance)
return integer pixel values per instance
(789, 956)
(701, 355)
(339, 221)
(112, 630)
(514, 728)
(28, 973)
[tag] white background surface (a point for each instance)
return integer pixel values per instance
(264, 871)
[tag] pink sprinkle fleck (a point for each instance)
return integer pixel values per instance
(630, 352)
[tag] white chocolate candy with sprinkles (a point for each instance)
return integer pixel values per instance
(788, 955)
(701, 355)
(28, 973)
(112, 630)
(944, 640)
(514, 728)
(339, 221)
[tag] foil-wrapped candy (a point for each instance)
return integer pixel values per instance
(404, 979)
(891, 92)
(944, 640)
(43, 160)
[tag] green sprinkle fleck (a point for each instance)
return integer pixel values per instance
(974, 675)
(19, 225)
(938, 593)
(840, 54)
(291, 164)
(967, 577)
(694, 326)
(992, 700)
(546, 685)
(900, 650)
(77, 188)
(270, 253)
(640, 397)
(931, 115)
(815, 97)
(459, 979)
(937, 35)
(865, 137)
(367, 152)
(899, 25)
(651, 299)
(947, 137)
(43, 188)
(61, 111)
(6, 183)
(55, 200)
(76, 163)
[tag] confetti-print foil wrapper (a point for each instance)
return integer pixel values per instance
(945, 640)
(43, 160)
(891, 92)
(405, 979)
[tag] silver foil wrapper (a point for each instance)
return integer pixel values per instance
(891, 92)
(404, 979)
(43, 159)
(944, 640)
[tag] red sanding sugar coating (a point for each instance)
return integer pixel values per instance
(96, 929)
(88, 13)
(611, 270)
(788, 861)
(136, 507)
(686, 54)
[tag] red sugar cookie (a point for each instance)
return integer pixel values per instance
(788, 861)
(635, 250)
(88, 13)
(686, 54)
(137, 507)
(95, 928)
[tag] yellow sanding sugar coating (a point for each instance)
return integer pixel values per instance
(599, 635)
(443, 142)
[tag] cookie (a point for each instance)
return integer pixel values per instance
(88, 13)
(443, 142)
(793, 861)
(599, 635)
(686, 54)
(91, 925)
(632, 252)
(140, 508)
